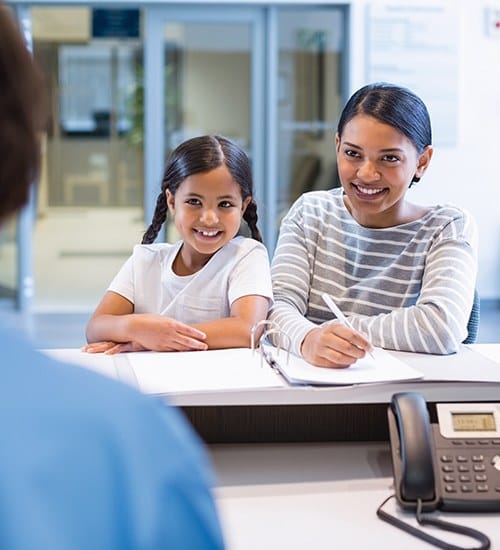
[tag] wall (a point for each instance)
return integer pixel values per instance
(467, 173)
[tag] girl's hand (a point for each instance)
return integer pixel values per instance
(98, 347)
(158, 333)
(115, 323)
(112, 348)
(149, 332)
(334, 346)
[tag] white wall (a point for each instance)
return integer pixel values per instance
(468, 173)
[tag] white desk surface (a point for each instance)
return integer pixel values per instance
(468, 361)
(320, 496)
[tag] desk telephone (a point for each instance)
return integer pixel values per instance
(452, 464)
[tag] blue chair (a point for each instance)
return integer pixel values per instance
(473, 323)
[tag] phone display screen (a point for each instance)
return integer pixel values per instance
(473, 422)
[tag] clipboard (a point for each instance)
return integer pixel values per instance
(381, 368)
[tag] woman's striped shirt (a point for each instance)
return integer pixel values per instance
(408, 287)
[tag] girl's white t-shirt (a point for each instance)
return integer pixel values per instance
(239, 268)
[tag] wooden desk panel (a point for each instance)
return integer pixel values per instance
(290, 423)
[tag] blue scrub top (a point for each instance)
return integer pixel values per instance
(87, 462)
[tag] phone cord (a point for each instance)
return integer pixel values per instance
(484, 541)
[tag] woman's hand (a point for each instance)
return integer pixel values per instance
(334, 345)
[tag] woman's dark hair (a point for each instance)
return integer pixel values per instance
(393, 105)
(202, 154)
(22, 116)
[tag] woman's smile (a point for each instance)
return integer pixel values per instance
(368, 193)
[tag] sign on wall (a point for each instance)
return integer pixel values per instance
(416, 45)
(115, 23)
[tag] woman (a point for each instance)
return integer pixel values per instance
(403, 274)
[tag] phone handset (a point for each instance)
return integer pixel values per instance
(416, 449)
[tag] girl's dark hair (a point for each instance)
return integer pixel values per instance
(202, 154)
(22, 116)
(393, 105)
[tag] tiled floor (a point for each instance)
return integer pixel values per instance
(67, 330)
(50, 330)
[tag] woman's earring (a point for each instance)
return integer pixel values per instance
(414, 180)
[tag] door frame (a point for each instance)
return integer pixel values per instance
(26, 217)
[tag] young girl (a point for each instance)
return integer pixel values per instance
(205, 291)
(402, 273)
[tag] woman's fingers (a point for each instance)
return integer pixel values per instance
(334, 346)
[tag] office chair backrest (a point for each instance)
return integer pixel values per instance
(473, 323)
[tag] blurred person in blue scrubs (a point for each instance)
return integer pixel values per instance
(85, 462)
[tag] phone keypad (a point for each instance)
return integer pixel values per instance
(465, 472)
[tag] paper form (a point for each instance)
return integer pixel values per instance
(197, 371)
(242, 368)
(382, 367)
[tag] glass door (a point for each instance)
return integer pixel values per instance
(207, 69)
(8, 263)
(311, 67)
(88, 210)
(271, 77)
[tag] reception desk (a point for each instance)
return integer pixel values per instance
(307, 467)
(285, 413)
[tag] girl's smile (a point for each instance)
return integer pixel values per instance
(207, 233)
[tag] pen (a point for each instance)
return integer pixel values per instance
(334, 308)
